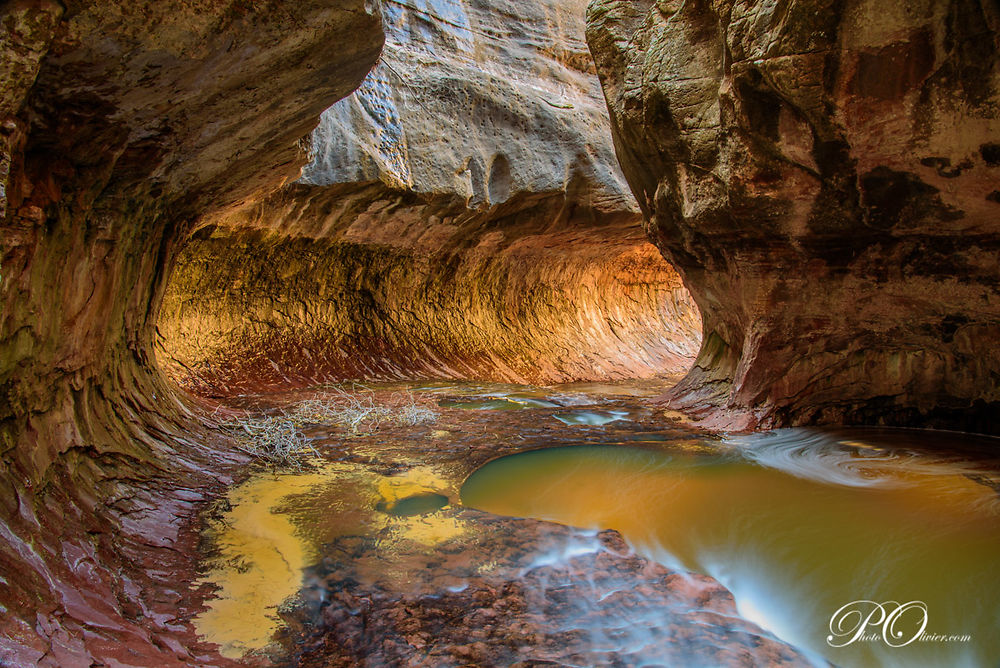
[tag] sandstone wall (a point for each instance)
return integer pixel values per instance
(824, 174)
(120, 123)
(463, 216)
(400, 287)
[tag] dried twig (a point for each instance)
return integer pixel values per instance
(278, 440)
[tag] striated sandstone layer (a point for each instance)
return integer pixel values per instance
(399, 286)
(463, 216)
(120, 123)
(824, 175)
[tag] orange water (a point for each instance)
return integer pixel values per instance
(796, 524)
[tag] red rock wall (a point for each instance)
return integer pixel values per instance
(362, 282)
(824, 176)
(122, 122)
(463, 216)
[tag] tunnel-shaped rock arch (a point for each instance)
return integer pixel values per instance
(161, 235)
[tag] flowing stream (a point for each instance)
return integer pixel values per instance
(797, 524)
(858, 547)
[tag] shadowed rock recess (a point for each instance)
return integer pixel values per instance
(824, 176)
(462, 217)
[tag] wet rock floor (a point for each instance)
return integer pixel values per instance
(533, 593)
(454, 586)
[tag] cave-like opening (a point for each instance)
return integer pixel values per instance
(398, 381)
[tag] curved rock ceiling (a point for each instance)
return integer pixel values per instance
(463, 216)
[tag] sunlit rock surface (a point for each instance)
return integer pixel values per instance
(409, 288)
(824, 176)
(483, 100)
(463, 216)
(120, 122)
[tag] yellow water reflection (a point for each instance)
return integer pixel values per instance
(275, 526)
(794, 536)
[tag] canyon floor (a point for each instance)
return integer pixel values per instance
(378, 547)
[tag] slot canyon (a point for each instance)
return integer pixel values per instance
(458, 333)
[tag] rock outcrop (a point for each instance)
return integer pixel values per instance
(121, 123)
(824, 176)
(463, 217)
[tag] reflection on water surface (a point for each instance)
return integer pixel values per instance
(276, 526)
(796, 523)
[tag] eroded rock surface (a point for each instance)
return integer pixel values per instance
(481, 100)
(463, 216)
(120, 122)
(397, 286)
(390, 579)
(824, 176)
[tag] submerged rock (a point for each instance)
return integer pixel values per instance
(519, 592)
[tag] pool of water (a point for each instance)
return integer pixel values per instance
(797, 524)
(275, 526)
